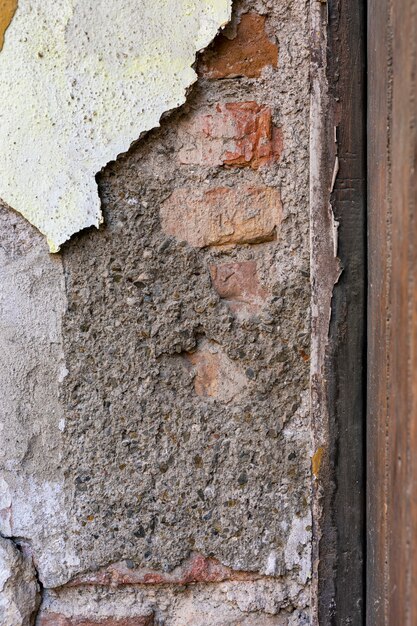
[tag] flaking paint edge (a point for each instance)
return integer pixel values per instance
(80, 104)
(7, 11)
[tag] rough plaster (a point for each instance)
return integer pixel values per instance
(19, 589)
(158, 470)
(113, 441)
(259, 603)
(80, 81)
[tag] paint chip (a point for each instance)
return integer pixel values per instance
(316, 461)
(7, 11)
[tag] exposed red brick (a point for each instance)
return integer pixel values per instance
(216, 376)
(239, 134)
(222, 215)
(245, 55)
(196, 569)
(238, 284)
(54, 619)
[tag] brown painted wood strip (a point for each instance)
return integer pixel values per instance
(392, 330)
(402, 540)
(378, 268)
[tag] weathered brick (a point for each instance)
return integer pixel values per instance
(245, 55)
(222, 215)
(54, 619)
(216, 376)
(238, 284)
(196, 569)
(233, 133)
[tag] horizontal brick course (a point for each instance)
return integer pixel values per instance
(196, 569)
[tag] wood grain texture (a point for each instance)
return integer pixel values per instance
(347, 80)
(392, 329)
(379, 260)
(342, 550)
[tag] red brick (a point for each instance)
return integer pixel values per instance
(216, 376)
(196, 569)
(238, 284)
(239, 134)
(54, 619)
(246, 55)
(222, 215)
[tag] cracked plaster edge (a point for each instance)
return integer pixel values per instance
(325, 269)
(55, 247)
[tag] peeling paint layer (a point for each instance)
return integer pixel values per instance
(80, 81)
(7, 11)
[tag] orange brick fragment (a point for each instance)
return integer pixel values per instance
(236, 134)
(245, 55)
(222, 215)
(238, 284)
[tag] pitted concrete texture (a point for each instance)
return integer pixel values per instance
(84, 78)
(162, 458)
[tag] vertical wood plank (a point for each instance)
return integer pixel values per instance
(402, 541)
(392, 331)
(346, 72)
(379, 218)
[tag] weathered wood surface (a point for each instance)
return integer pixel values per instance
(342, 549)
(347, 384)
(392, 327)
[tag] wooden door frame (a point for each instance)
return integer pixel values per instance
(347, 357)
(392, 320)
(370, 127)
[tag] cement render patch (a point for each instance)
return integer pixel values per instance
(32, 304)
(262, 603)
(159, 470)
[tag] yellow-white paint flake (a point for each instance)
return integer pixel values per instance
(80, 80)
